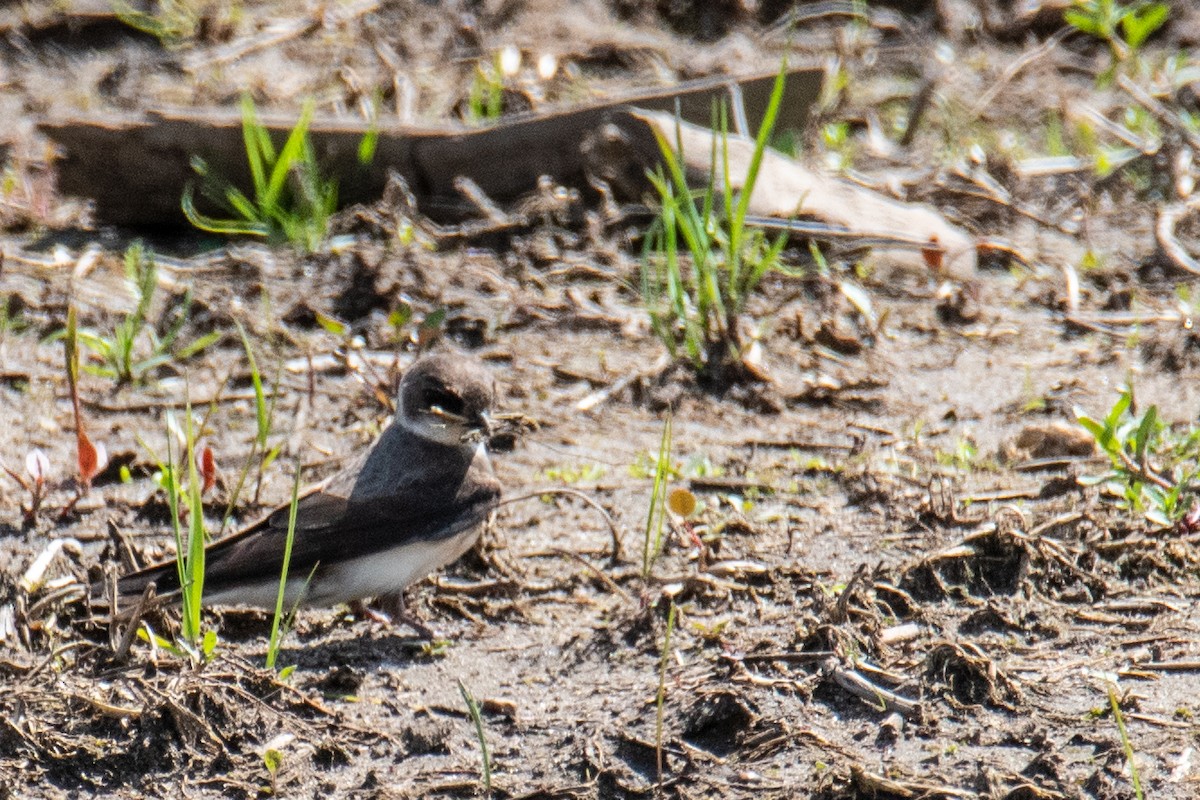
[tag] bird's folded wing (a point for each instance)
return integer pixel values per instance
(329, 528)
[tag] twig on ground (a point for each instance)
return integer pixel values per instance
(146, 601)
(1164, 232)
(1015, 68)
(1163, 114)
(612, 526)
(878, 696)
(602, 396)
(592, 568)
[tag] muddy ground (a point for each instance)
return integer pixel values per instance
(866, 514)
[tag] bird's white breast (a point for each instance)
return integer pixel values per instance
(385, 572)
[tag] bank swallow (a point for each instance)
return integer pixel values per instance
(412, 503)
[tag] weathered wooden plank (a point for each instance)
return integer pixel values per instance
(135, 167)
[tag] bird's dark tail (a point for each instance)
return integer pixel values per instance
(131, 587)
(165, 578)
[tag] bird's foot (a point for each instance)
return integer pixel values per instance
(391, 611)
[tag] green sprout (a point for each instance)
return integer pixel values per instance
(190, 560)
(696, 290)
(661, 695)
(656, 516)
(1126, 743)
(264, 414)
(292, 201)
(1153, 468)
(476, 715)
(135, 348)
(278, 622)
(1123, 27)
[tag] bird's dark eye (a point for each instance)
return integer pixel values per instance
(445, 400)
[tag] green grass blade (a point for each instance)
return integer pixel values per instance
(132, 370)
(1125, 743)
(257, 141)
(656, 516)
(767, 263)
(245, 208)
(1145, 433)
(1113, 420)
(733, 248)
(662, 691)
(289, 156)
(201, 344)
(678, 179)
(765, 130)
(260, 403)
(477, 718)
(195, 557)
(228, 227)
(273, 642)
(171, 487)
(739, 286)
(370, 140)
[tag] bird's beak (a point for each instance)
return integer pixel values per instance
(477, 428)
(480, 428)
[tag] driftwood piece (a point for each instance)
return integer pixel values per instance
(89, 22)
(135, 167)
(786, 189)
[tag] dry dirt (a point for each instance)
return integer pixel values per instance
(864, 514)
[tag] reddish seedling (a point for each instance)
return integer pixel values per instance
(208, 469)
(91, 457)
(37, 469)
(934, 255)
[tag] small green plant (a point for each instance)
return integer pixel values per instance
(194, 644)
(838, 142)
(1032, 401)
(485, 101)
(696, 290)
(1123, 27)
(963, 456)
(1153, 469)
(292, 200)
(278, 623)
(435, 648)
(135, 348)
(11, 320)
(661, 696)
(208, 644)
(264, 414)
(273, 761)
(477, 718)
(190, 560)
(575, 473)
(1125, 741)
(656, 517)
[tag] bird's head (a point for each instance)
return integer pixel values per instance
(446, 398)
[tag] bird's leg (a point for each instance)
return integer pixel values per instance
(391, 611)
(363, 610)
